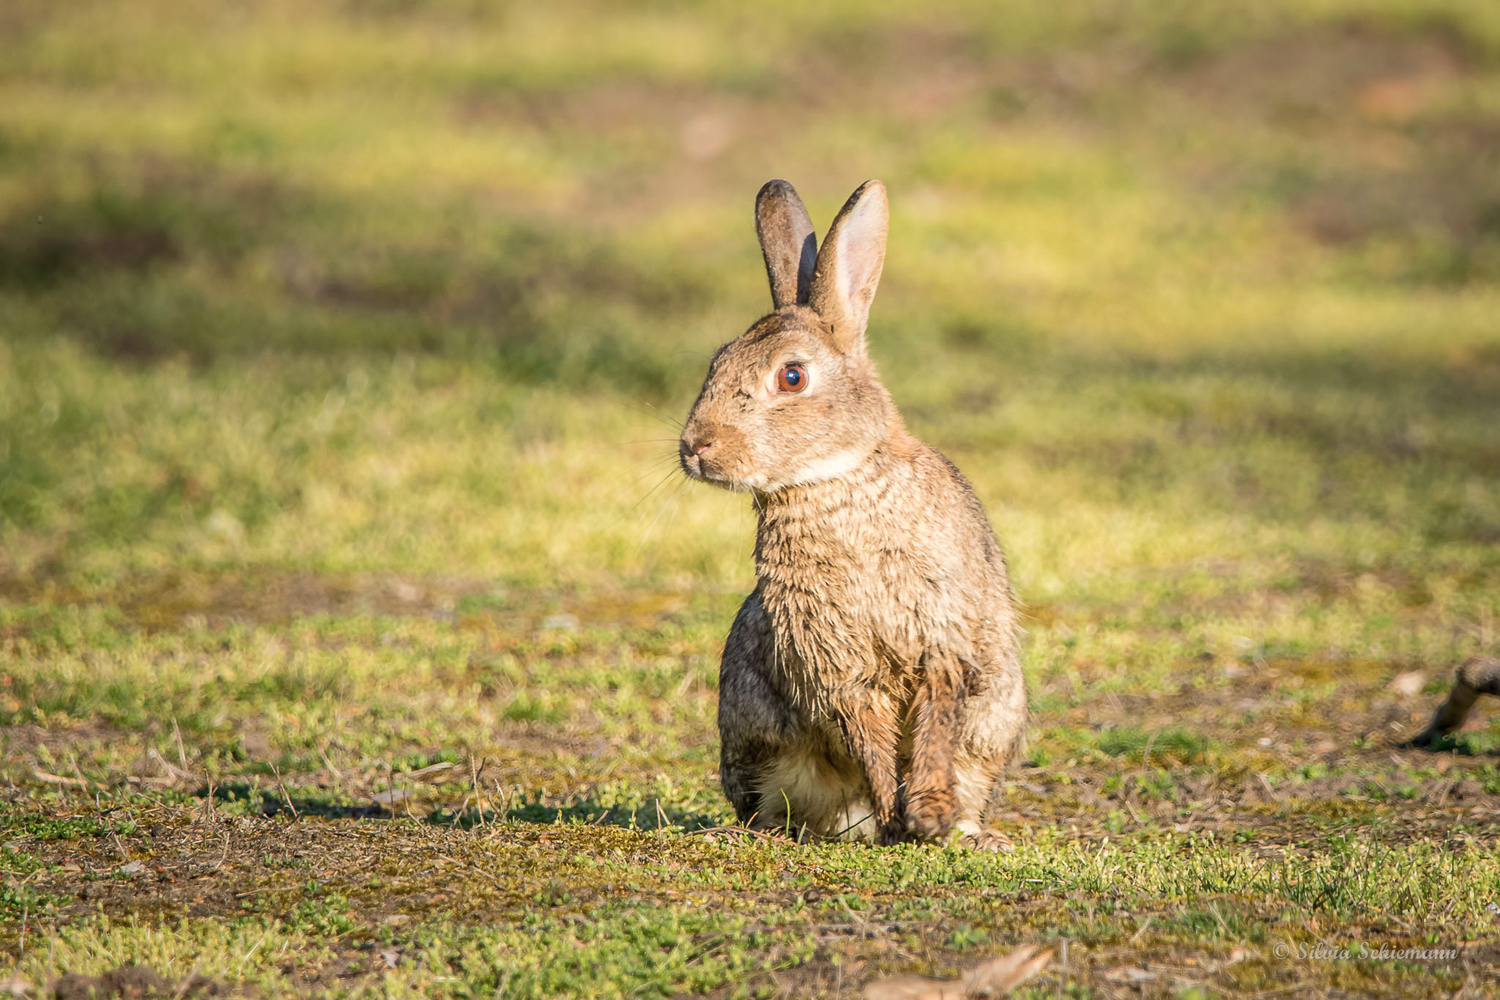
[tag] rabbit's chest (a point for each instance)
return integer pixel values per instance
(856, 593)
(847, 622)
(869, 577)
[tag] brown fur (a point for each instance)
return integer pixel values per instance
(871, 684)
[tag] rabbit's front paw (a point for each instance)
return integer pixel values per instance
(988, 840)
(930, 814)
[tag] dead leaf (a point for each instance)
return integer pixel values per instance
(173, 770)
(430, 771)
(1129, 974)
(990, 979)
(1408, 683)
(1001, 975)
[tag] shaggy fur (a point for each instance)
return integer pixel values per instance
(871, 686)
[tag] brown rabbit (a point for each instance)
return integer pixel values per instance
(871, 686)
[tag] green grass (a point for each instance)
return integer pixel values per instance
(342, 351)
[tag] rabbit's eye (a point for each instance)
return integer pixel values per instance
(791, 378)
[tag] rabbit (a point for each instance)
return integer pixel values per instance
(1475, 677)
(871, 686)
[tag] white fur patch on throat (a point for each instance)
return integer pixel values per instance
(824, 469)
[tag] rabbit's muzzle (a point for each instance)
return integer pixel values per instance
(715, 452)
(690, 453)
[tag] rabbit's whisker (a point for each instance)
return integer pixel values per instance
(669, 498)
(659, 484)
(647, 410)
(667, 528)
(654, 465)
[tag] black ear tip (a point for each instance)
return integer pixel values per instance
(870, 185)
(775, 186)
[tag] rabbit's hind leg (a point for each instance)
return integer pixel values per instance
(992, 734)
(755, 723)
(809, 792)
(781, 775)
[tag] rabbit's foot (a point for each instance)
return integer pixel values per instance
(980, 839)
(930, 814)
(892, 833)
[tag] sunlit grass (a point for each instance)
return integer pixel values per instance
(341, 357)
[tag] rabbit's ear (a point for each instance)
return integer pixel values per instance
(786, 241)
(849, 265)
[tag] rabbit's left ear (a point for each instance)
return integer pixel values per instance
(786, 241)
(849, 266)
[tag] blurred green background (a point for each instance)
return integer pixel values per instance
(423, 288)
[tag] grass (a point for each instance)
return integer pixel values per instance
(357, 635)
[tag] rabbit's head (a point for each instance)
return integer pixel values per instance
(795, 400)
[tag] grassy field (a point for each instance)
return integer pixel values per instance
(358, 635)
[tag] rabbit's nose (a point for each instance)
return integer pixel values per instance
(694, 446)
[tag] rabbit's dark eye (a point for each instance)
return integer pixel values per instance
(791, 378)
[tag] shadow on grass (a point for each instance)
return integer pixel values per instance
(642, 813)
(648, 814)
(1473, 744)
(243, 796)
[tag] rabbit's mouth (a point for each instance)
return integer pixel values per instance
(695, 466)
(701, 456)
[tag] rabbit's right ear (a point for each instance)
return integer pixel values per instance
(786, 241)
